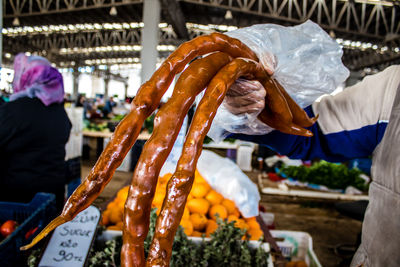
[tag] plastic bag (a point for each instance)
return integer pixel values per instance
(225, 177)
(304, 59)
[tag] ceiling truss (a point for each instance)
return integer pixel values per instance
(356, 20)
(378, 21)
(22, 8)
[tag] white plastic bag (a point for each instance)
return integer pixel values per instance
(225, 177)
(305, 60)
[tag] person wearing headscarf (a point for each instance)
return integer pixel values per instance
(34, 129)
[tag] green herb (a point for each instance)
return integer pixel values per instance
(225, 249)
(335, 176)
(149, 123)
(106, 255)
(33, 259)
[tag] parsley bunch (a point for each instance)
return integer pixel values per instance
(332, 175)
(225, 249)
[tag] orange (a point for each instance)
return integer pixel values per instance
(232, 218)
(220, 210)
(123, 193)
(229, 205)
(164, 179)
(158, 210)
(186, 214)
(115, 216)
(250, 219)
(255, 234)
(214, 198)
(198, 178)
(158, 199)
(199, 221)
(187, 226)
(120, 225)
(253, 225)
(200, 190)
(105, 219)
(196, 233)
(198, 205)
(236, 213)
(121, 204)
(112, 205)
(113, 227)
(211, 227)
(189, 197)
(240, 223)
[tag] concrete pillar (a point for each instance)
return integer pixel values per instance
(106, 83)
(126, 85)
(75, 83)
(150, 31)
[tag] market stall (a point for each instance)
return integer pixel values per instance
(146, 124)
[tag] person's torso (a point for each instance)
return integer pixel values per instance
(36, 151)
(381, 236)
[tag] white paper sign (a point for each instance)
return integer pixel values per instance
(70, 243)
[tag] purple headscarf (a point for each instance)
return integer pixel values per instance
(35, 77)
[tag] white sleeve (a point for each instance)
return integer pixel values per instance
(367, 103)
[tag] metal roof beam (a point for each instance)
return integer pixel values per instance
(23, 8)
(175, 17)
(359, 18)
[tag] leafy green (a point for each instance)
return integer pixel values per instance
(335, 176)
(118, 117)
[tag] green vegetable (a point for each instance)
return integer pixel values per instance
(334, 176)
(149, 123)
(118, 117)
(225, 249)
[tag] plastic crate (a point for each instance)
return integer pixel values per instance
(37, 213)
(296, 246)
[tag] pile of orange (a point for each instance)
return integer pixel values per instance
(202, 208)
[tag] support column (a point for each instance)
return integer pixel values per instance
(75, 83)
(150, 32)
(126, 89)
(106, 83)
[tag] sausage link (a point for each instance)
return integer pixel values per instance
(167, 123)
(125, 135)
(277, 112)
(181, 182)
(300, 117)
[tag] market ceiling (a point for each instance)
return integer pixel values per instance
(94, 32)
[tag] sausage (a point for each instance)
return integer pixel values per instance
(125, 135)
(278, 114)
(299, 115)
(167, 123)
(180, 183)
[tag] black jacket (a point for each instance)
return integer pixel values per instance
(32, 149)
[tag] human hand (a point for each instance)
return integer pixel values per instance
(245, 96)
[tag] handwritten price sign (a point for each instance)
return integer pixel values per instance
(70, 243)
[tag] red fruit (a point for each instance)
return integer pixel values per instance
(31, 232)
(8, 227)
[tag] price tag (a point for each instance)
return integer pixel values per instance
(70, 242)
